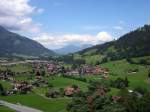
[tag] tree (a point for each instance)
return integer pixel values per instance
(126, 82)
(113, 107)
(130, 101)
(43, 72)
(61, 90)
(146, 102)
(1, 88)
(149, 74)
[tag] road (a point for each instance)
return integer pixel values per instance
(18, 108)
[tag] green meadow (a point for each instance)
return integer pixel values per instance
(39, 102)
(36, 99)
(5, 109)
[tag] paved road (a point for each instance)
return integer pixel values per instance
(19, 108)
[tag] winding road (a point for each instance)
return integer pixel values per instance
(18, 108)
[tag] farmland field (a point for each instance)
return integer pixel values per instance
(37, 99)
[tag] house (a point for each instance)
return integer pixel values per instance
(88, 69)
(97, 70)
(116, 98)
(105, 76)
(21, 86)
(94, 70)
(69, 91)
(73, 72)
(52, 68)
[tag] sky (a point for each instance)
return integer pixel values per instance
(57, 23)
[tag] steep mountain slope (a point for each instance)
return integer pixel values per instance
(133, 44)
(14, 44)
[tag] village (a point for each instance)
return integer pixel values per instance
(41, 70)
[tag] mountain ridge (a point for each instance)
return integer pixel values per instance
(71, 49)
(132, 44)
(15, 44)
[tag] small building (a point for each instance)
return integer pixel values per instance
(69, 91)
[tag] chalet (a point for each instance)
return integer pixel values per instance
(21, 86)
(73, 72)
(51, 67)
(69, 91)
(105, 76)
(97, 70)
(116, 98)
(4, 75)
(88, 69)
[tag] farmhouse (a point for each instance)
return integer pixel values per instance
(69, 91)
(21, 86)
(73, 72)
(95, 70)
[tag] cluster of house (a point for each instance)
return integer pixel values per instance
(21, 86)
(89, 70)
(96, 70)
(6, 75)
(53, 67)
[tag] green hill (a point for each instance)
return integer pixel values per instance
(132, 44)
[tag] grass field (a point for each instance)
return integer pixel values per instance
(39, 102)
(120, 69)
(61, 82)
(17, 68)
(6, 85)
(5, 109)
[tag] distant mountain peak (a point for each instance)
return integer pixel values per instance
(72, 48)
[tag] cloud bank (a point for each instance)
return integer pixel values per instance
(16, 15)
(58, 41)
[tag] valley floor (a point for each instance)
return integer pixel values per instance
(37, 99)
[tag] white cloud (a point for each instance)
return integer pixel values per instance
(104, 36)
(16, 15)
(118, 27)
(58, 41)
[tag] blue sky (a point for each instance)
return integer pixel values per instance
(61, 22)
(73, 16)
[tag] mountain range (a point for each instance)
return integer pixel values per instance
(71, 48)
(12, 44)
(133, 44)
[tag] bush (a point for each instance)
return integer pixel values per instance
(52, 94)
(50, 85)
(141, 90)
(61, 91)
(120, 83)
